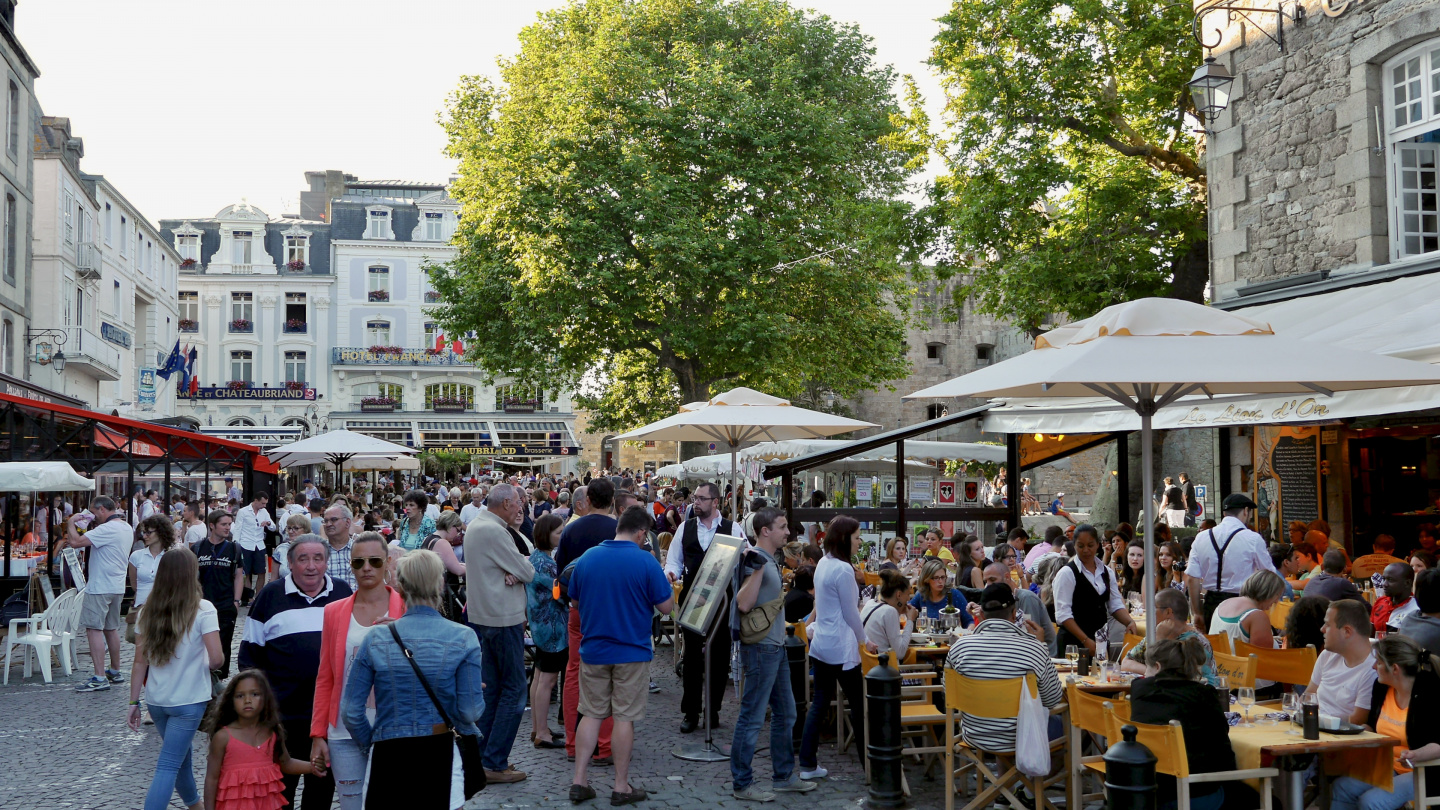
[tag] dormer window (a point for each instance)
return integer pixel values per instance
(241, 249)
(297, 250)
(377, 223)
(188, 246)
(434, 226)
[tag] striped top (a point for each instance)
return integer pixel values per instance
(994, 651)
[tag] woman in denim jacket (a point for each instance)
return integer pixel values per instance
(407, 726)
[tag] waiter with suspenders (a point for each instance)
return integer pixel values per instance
(1222, 558)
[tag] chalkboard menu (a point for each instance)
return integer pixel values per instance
(1296, 462)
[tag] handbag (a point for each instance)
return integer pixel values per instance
(756, 622)
(467, 744)
(132, 618)
(1032, 740)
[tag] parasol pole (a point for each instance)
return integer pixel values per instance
(1148, 475)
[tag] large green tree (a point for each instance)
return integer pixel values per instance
(1072, 172)
(662, 198)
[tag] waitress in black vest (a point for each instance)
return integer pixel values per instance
(1087, 595)
(693, 540)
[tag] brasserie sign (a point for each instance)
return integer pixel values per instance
(514, 450)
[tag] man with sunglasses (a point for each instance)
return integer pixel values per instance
(282, 639)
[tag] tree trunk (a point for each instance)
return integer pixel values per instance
(693, 388)
(1191, 272)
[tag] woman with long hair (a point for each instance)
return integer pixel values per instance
(548, 617)
(178, 644)
(1171, 568)
(345, 625)
(448, 655)
(413, 529)
(159, 536)
(1306, 623)
(971, 556)
(1404, 703)
(836, 637)
(933, 593)
(1132, 573)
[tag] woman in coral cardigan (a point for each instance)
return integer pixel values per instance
(346, 623)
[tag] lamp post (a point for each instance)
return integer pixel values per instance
(57, 335)
(1210, 90)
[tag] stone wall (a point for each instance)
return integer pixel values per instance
(633, 455)
(1078, 476)
(1296, 182)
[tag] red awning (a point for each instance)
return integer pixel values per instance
(105, 437)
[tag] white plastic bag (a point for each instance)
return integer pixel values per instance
(1032, 734)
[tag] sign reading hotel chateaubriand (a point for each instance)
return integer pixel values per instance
(515, 450)
(222, 392)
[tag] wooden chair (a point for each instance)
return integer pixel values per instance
(1281, 666)
(1240, 670)
(1087, 714)
(993, 699)
(1220, 642)
(1421, 801)
(1167, 743)
(920, 718)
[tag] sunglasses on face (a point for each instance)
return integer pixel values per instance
(359, 562)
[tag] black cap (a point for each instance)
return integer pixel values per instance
(996, 597)
(1237, 500)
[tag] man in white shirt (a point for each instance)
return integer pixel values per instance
(687, 551)
(1345, 673)
(1222, 558)
(194, 526)
(471, 510)
(109, 539)
(311, 493)
(249, 533)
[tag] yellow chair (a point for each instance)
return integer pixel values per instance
(1240, 670)
(1220, 642)
(919, 716)
(1087, 714)
(1167, 743)
(993, 699)
(872, 578)
(1280, 612)
(1281, 666)
(1130, 641)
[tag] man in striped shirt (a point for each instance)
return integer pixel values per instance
(996, 649)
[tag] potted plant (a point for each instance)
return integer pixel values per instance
(377, 349)
(379, 295)
(189, 325)
(294, 325)
(295, 266)
(378, 403)
(189, 263)
(240, 325)
(238, 385)
(432, 297)
(452, 404)
(295, 385)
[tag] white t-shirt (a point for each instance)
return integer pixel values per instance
(469, 512)
(432, 511)
(353, 637)
(145, 564)
(184, 679)
(195, 534)
(1342, 689)
(110, 557)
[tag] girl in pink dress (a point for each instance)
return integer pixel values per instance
(247, 748)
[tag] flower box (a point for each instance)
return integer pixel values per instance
(447, 405)
(432, 297)
(238, 385)
(295, 266)
(378, 404)
(189, 325)
(295, 325)
(188, 263)
(241, 325)
(379, 295)
(518, 405)
(386, 350)
(295, 385)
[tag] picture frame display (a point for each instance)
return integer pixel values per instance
(708, 589)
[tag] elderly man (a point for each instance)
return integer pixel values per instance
(1399, 600)
(282, 639)
(336, 526)
(108, 538)
(1036, 620)
(496, 574)
(471, 510)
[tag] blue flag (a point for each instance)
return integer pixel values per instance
(173, 363)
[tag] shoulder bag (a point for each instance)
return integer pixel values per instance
(468, 744)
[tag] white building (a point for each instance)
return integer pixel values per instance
(18, 89)
(103, 288)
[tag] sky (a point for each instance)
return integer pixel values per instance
(187, 107)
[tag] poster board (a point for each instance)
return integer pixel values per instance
(863, 489)
(888, 489)
(707, 591)
(71, 558)
(1287, 475)
(970, 490)
(945, 493)
(920, 490)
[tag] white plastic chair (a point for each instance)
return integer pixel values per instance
(67, 628)
(41, 637)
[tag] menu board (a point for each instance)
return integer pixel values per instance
(1296, 462)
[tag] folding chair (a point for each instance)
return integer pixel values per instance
(1421, 801)
(1167, 743)
(1281, 666)
(919, 717)
(1280, 613)
(1087, 714)
(1220, 642)
(1240, 670)
(1130, 641)
(993, 699)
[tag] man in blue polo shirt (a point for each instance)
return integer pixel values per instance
(615, 652)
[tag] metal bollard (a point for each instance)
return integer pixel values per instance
(882, 706)
(799, 672)
(1129, 774)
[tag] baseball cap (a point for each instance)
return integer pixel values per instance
(1059, 494)
(996, 596)
(1237, 500)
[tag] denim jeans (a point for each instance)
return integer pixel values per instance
(1348, 793)
(502, 670)
(826, 677)
(767, 683)
(174, 772)
(347, 764)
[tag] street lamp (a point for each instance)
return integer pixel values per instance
(58, 361)
(1210, 90)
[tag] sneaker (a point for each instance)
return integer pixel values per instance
(114, 676)
(753, 793)
(654, 687)
(505, 777)
(816, 772)
(581, 793)
(795, 785)
(95, 684)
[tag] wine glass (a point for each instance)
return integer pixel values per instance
(1247, 699)
(1291, 703)
(1072, 654)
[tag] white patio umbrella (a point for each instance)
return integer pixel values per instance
(339, 448)
(743, 415)
(1146, 354)
(42, 476)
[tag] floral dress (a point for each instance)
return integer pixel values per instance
(411, 540)
(547, 615)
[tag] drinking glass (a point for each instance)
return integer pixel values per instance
(1247, 699)
(1072, 654)
(1291, 703)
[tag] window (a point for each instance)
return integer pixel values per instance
(124, 238)
(935, 353)
(391, 391)
(241, 247)
(109, 224)
(377, 333)
(434, 226)
(1413, 146)
(517, 396)
(452, 392)
(189, 311)
(378, 224)
(80, 306)
(188, 246)
(242, 367)
(240, 422)
(12, 140)
(431, 331)
(377, 283)
(935, 412)
(12, 242)
(297, 249)
(294, 367)
(67, 218)
(295, 316)
(982, 355)
(242, 306)
(7, 338)
(119, 302)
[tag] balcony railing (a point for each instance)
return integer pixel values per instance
(87, 260)
(85, 349)
(189, 325)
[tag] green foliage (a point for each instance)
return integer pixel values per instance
(1073, 178)
(665, 198)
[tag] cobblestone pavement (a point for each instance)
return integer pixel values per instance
(63, 749)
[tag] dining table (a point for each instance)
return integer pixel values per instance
(1366, 756)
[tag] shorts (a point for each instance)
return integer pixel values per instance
(254, 562)
(614, 690)
(551, 662)
(101, 611)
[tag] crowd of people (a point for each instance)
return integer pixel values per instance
(513, 567)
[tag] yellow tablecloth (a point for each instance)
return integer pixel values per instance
(1371, 764)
